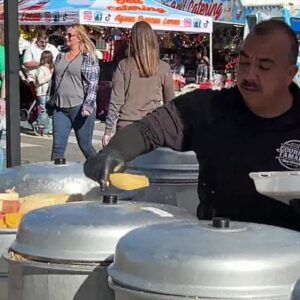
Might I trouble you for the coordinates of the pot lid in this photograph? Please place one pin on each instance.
(85, 231)
(165, 164)
(46, 177)
(195, 259)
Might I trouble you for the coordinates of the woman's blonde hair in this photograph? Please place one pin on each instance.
(87, 46)
(144, 49)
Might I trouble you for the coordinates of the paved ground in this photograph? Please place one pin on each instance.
(38, 148)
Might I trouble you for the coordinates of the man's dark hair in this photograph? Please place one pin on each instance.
(273, 26)
(200, 49)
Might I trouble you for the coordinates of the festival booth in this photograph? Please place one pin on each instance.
(50, 12)
(35, 13)
(124, 13)
(111, 20)
(228, 23)
(53, 15)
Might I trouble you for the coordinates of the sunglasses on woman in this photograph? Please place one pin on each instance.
(70, 35)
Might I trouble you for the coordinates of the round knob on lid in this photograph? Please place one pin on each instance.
(110, 199)
(221, 222)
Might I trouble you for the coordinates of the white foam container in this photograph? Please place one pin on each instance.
(283, 186)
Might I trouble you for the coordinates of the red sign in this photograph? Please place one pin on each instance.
(135, 5)
(130, 1)
(200, 7)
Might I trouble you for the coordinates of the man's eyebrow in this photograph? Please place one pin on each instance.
(263, 60)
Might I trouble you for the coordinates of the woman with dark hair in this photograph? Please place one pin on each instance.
(141, 83)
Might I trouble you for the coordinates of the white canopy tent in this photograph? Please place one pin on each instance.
(124, 13)
(246, 3)
(114, 13)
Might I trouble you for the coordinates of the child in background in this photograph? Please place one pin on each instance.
(43, 82)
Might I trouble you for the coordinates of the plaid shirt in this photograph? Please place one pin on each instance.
(90, 72)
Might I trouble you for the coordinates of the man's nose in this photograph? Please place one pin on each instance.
(251, 71)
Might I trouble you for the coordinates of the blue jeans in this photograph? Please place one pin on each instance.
(43, 119)
(64, 119)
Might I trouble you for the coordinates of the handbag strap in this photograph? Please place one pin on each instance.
(64, 72)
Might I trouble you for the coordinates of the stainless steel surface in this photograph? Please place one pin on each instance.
(70, 246)
(7, 236)
(283, 186)
(166, 165)
(165, 188)
(45, 177)
(86, 231)
(31, 280)
(3, 288)
(173, 178)
(182, 195)
(123, 293)
(194, 259)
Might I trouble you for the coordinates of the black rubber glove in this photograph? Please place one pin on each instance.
(102, 165)
(124, 146)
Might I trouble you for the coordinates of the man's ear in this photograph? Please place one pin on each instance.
(292, 72)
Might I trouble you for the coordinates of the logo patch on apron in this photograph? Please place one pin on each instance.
(289, 154)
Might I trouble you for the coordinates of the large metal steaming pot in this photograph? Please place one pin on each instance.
(173, 176)
(66, 248)
(207, 260)
(7, 236)
(44, 177)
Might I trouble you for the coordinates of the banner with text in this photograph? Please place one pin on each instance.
(230, 11)
(124, 13)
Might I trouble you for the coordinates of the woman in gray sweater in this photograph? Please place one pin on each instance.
(141, 83)
(76, 76)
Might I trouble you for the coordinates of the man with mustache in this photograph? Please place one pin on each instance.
(252, 127)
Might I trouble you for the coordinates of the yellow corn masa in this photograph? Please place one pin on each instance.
(36, 201)
(2, 223)
(128, 182)
(13, 220)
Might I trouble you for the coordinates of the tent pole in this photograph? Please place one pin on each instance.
(11, 27)
(210, 57)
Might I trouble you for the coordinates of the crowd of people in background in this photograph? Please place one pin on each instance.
(63, 69)
(58, 89)
(59, 85)
(143, 112)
